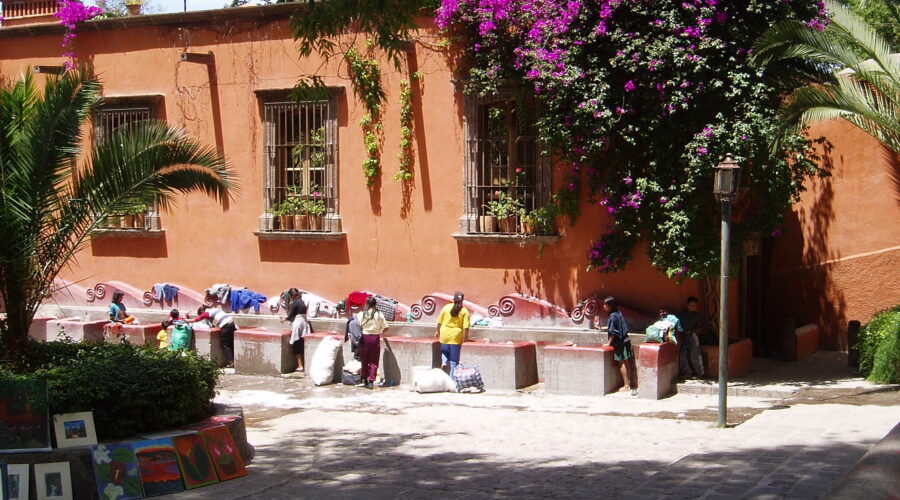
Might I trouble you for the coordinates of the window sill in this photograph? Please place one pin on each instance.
(128, 233)
(300, 235)
(518, 239)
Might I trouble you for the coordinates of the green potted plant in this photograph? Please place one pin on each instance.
(284, 215)
(540, 221)
(298, 209)
(505, 208)
(315, 208)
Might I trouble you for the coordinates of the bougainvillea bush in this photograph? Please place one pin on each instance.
(640, 100)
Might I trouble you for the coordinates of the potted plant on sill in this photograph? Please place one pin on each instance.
(134, 216)
(315, 209)
(284, 215)
(540, 221)
(506, 208)
(298, 208)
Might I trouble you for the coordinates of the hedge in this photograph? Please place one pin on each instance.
(130, 389)
(878, 347)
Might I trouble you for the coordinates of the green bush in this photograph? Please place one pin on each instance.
(878, 347)
(130, 389)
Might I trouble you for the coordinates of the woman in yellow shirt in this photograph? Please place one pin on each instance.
(373, 324)
(452, 330)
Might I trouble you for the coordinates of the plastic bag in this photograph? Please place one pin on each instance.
(181, 336)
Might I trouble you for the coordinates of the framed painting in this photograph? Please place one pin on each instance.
(18, 480)
(223, 452)
(53, 481)
(74, 429)
(116, 471)
(158, 466)
(196, 467)
(24, 420)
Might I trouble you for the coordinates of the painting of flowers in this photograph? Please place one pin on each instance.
(116, 471)
(196, 467)
(223, 452)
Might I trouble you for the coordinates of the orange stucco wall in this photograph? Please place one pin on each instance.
(839, 257)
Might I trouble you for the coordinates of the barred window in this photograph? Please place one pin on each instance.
(301, 167)
(504, 164)
(122, 113)
(110, 118)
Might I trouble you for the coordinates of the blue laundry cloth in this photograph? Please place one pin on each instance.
(170, 292)
(242, 299)
(159, 291)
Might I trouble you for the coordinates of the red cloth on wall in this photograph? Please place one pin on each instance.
(357, 299)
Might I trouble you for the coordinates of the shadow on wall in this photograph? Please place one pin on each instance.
(801, 289)
(381, 466)
(310, 252)
(893, 161)
(119, 246)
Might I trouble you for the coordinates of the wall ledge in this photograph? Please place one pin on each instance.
(300, 235)
(127, 233)
(506, 239)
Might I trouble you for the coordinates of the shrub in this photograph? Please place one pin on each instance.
(130, 389)
(878, 347)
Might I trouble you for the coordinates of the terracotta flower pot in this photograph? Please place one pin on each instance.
(113, 221)
(527, 227)
(286, 222)
(128, 221)
(315, 222)
(508, 225)
(139, 221)
(301, 222)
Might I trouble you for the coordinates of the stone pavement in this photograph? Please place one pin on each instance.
(346, 442)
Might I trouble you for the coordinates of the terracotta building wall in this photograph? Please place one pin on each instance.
(398, 244)
(838, 258)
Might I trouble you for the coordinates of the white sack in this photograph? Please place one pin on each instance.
(434, 380)
(322, 370)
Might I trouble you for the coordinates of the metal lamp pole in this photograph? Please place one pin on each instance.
(726, 185)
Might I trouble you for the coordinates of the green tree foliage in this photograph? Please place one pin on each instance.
(881, 15)
(49, 204)
(858, 78)
(640, 100)
(878, 347)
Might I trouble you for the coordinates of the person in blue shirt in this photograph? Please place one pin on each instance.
(617, 331)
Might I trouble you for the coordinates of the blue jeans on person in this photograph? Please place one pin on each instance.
(450, 352)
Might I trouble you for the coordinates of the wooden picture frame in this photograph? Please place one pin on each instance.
(53, 481)
(18, 480)
(74, 429)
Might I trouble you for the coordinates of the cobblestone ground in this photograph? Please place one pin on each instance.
(346, 442)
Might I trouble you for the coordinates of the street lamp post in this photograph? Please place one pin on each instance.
(728, 177)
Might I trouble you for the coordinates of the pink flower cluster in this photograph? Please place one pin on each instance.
(70, 13)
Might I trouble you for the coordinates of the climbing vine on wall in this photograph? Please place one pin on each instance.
(388, 24)
(365, 76)
(404, 157)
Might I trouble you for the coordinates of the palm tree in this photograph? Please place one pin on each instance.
(858, 78)
(49, 204)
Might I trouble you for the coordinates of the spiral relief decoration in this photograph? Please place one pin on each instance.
(147, 299)
(586, 309)
(416, 311)
(90, 295)
(429, 306)
(100, 291)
